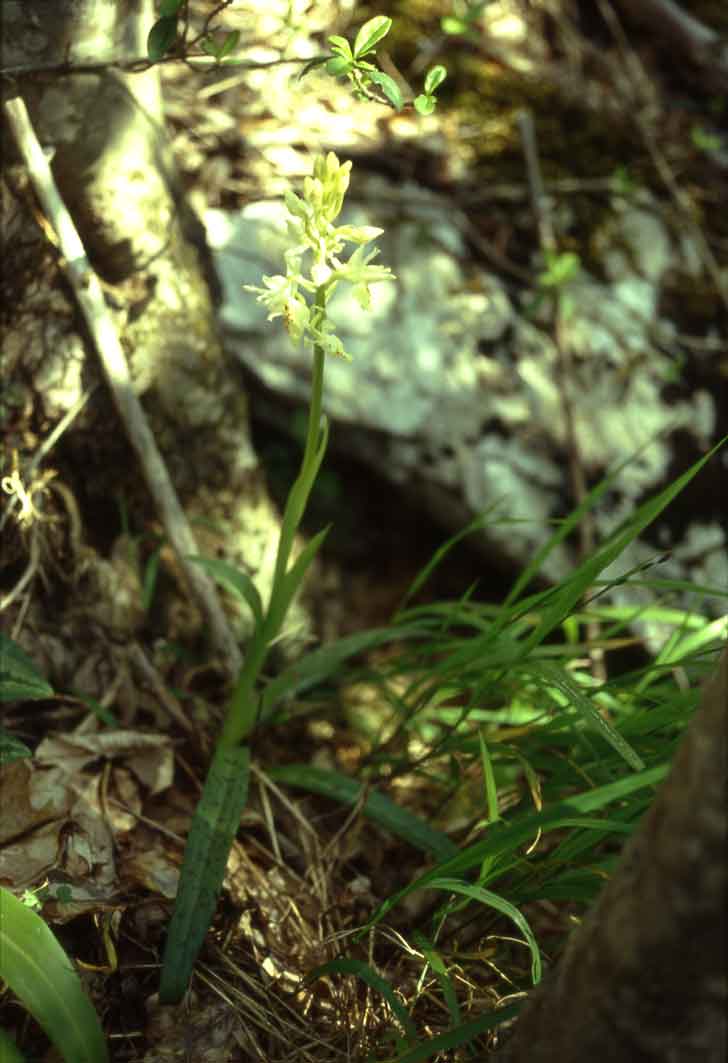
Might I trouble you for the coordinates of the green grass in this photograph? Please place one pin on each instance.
(501, 746)
(498, 715)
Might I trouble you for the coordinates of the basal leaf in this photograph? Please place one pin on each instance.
(41, 975)
(213, 829)
(19, 676)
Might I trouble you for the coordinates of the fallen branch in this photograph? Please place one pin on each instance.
(684, 33)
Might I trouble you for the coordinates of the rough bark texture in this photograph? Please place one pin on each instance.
(114, 169)
(644, 979)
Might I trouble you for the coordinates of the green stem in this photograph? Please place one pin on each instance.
(243, 704)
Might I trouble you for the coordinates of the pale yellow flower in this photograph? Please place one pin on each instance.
(314, 234)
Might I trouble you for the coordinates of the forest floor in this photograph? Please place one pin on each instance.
(309, 870)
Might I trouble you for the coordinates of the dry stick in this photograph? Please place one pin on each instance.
(30, 571)
(540, 203)
(166, 697)
(682, 30)
(635, 69)
(203, 64)
(90, 298)
(541, 208)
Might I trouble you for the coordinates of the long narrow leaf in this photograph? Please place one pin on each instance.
(9, 1051)
(234, 580)
(493, 900)
(377, 807)
(284, 593)
(504, 838)
(438, 965)
(301, 489)
(41, 975)
(476, 524)
(318, 665)
(565, 528)
(460, 1036)
(491, 787)
(213, 829)
(559, 679)
(569, 593)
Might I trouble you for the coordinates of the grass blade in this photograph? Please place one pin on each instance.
(477, 893)
(558, 678)
(438, 965)
(460, 1036)
(506, 837)
(380, 809)
(573, 589)
(285, 592)
(326, 661)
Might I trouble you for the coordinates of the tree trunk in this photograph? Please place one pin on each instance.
(114, 169)
(645, 978)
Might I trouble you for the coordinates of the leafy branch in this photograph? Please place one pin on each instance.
(167, 38)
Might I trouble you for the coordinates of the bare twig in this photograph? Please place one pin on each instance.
(141, 63)
(634, 67)
(683, 32)
(166, 697)
(542, 211)
(90, 298)
(540, 203)
(30, 571)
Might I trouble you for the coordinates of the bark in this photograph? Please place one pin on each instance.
(644, 979)
(114, 169)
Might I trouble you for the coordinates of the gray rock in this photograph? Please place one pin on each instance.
(453, 386)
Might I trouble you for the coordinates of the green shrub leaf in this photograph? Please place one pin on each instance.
(11, 748)
(425, 104)
(342, 46)
(434, 79)
(389, 87)
(370, 34)
(161, 37)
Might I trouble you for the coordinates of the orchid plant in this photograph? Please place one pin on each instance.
(312, 231)
(316, 263)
